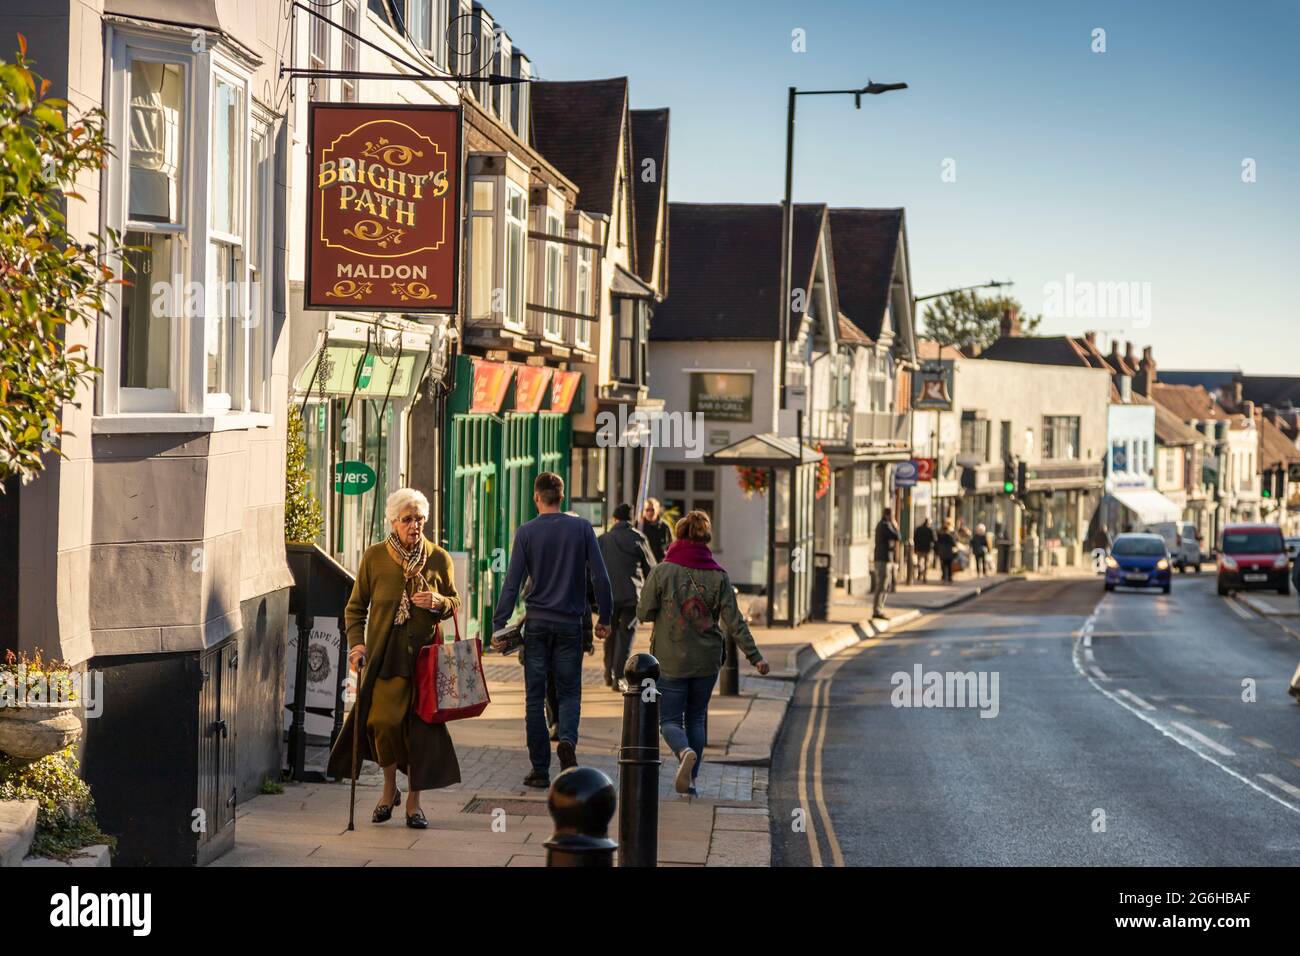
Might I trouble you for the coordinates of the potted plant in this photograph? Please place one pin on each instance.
(38, 707)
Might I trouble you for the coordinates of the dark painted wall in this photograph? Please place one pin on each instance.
(259, 727)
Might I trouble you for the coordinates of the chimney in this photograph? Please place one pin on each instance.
(1113, 357)
(1248, 410)
(1146, 376)
(1090, 338)
(1129, 358)
(1010, 325)
(1236, 394)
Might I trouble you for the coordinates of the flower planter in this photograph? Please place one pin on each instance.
(33, 732)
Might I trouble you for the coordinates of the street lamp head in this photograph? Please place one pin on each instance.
(876, 88)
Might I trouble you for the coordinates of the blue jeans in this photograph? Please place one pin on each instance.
(684, 714)
(556, 650)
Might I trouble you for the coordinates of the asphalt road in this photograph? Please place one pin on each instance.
(1121, 737)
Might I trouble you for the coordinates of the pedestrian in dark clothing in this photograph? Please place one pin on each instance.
(657, 531)
(557, 551)
(945, 546)
(628, 560)
(923, 542)
(979, 546)
(887, 537)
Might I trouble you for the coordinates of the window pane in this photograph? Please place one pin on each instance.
(224, 352)
(674, 479)
(480, 264)
(702, 480)
(417, 23)
(227, 149)
(482, 195)
(148, 304)
(157, 138)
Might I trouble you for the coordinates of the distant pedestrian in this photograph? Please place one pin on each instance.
(657, 531)
(886, 538)
(691, 602)
(557, 551)
(945, 546)
(628, 560)
(923, 543)
(979, 546)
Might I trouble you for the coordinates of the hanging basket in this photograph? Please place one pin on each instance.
(823, 472)
(751, 480)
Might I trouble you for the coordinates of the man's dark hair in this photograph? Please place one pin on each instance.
(549, 487)
(887, 513)
(623, 513)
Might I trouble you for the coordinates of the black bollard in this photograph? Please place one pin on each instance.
(638, 764)
(581, 804)
(729, 678)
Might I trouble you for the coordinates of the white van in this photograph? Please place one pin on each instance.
(1183, 543)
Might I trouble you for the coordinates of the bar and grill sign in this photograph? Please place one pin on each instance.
(383, 226)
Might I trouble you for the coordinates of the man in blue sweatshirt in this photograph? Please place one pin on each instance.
(556, 551)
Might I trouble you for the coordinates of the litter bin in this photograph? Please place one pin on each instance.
(1004, 556)
(821, 589)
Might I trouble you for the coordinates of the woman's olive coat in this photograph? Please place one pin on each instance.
(369, 620)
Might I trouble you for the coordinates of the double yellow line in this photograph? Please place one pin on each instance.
(818, 717)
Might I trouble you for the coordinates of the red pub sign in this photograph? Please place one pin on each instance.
(383, 226)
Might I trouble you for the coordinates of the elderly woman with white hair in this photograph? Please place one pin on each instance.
(404, 588)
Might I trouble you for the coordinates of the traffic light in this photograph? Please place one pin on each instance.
(1008, 475)
(1266, 484)
(1022, 479)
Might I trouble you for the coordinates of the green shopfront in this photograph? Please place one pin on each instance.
(506, 423)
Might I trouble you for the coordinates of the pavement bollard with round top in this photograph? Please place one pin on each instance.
(638, 764)
(581, 803)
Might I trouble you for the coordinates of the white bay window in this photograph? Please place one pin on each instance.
(187, 334)
(497, 240)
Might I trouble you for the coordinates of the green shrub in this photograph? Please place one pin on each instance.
(65, 816)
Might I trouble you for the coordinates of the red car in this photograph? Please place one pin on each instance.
(1252, 557)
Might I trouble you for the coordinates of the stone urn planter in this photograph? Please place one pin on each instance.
(32, 732)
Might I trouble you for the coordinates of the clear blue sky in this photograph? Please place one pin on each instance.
(1122, 166)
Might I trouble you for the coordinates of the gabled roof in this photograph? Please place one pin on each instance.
(650, 141)
(1171, 430)
(578, 126)
(849, 333)
(1274, 447)
(1188, 402)
(725, 260)
(765, 449)
(864, 244)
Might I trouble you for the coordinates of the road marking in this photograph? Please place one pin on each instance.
(1281, 784)
(809, 827)
(1200, 737)
(1217, 724)
(1078, 666)
(1087, 639)
(1256, 742)
(818, 794)
(1124, 692)
(934, 653)
(1184, 708)
(1098, 673)
(1240, 611)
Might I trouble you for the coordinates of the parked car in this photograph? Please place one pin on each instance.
(1182, 540)
(1252, 557)
(1293, 549)
(1139, 560)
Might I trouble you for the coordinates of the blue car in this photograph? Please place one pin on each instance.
(1138, 561)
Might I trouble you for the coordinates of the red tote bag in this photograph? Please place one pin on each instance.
(449, 681)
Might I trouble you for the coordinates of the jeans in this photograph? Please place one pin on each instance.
(619, 642)
(882, 569)
(551, 650)
(981, 563)
(684, 714)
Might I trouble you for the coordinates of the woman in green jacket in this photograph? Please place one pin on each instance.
(404, 587)
(686, 596)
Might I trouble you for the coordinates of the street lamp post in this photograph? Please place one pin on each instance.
(787, 207)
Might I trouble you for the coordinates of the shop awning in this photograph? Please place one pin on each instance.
(1149, 505)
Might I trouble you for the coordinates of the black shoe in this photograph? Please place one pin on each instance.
(537, 779)
(416, 820)
(609, 679)
(384, 812)
(564, 750)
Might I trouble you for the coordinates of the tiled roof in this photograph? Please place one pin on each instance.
(725, 262)
(850, 333)
(577, 126)
(929, 350)
(864, 243)
(649, 141)
(1171, 430)
(1037, 350)
(1274, 447)
(1188, 402)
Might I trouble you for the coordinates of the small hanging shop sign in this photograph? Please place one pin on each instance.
(564, 386)
(491, 380)
(383, 224)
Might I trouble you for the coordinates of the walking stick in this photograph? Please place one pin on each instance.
(356, 747)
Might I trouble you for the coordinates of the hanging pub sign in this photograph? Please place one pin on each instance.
(383, 224)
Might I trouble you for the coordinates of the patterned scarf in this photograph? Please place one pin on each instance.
(411, 561)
